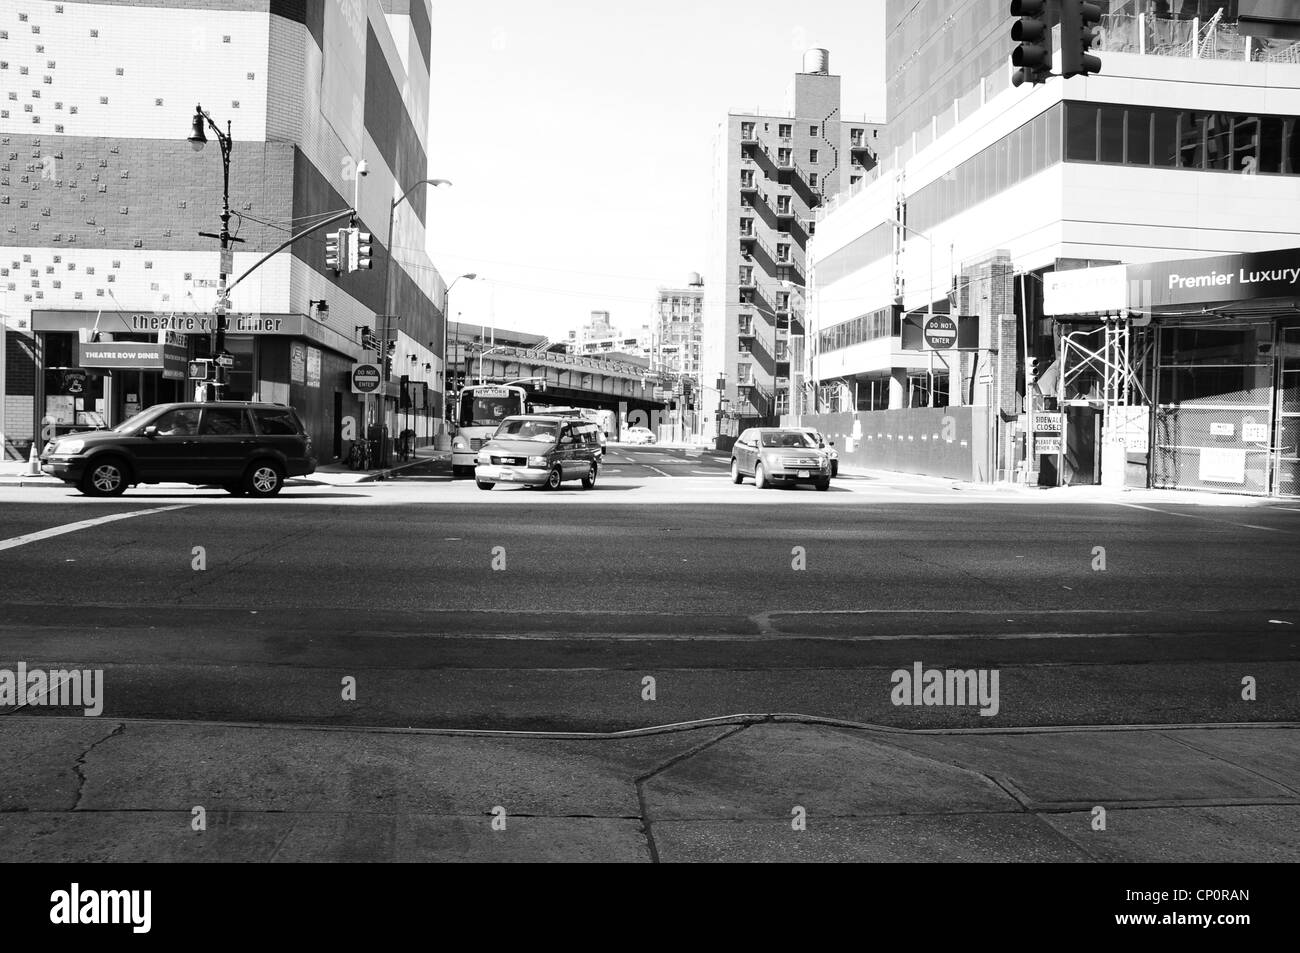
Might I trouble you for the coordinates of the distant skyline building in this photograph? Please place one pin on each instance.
(771, 170)
(599, 336)
(679, 327)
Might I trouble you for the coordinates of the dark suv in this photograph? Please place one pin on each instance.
(242, 447)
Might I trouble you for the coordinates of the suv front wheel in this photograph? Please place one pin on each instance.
(104, 477)
(263, 478)
(736, 475)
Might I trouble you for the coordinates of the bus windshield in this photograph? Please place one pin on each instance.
(478, 410)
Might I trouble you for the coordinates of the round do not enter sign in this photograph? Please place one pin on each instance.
(940, 332)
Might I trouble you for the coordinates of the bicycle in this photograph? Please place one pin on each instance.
(361, 455)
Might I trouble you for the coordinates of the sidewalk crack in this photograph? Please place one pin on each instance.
(646, 824)
(78, 766)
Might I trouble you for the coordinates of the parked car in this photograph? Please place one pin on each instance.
(638, 435)
(774, 455)
(240, 446)
(540, 450)
(828, 446)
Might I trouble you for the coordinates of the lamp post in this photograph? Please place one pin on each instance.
(388, 288)
(446, 320)
(198, 139)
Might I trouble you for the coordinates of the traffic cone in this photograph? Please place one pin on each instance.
(33, 463)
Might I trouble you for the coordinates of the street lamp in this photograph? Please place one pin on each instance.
(198, 139)
(386, 317)
(495, 347)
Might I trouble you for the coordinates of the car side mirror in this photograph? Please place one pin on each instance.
(151, 431)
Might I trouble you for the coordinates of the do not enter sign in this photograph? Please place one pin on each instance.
(365, 379)
(940, 332)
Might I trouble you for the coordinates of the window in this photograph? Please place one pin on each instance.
(1191, 130)
(783, 204)
(812, 155)
(746, 226)
(782, 251)
(812, 179)
(812, 130)
(1218, 141)
(1137, 136)
(853, 180)
(784, 130)
(744, 373)
(224, 421)
(182, 422)
(1110, 129)
(855, 137)
(783, 156)
(746, 323)
(747, 178)
(1165, 138)
(747, 130)
(1081, 132)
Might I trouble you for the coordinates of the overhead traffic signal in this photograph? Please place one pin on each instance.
(1031, 371)
(1032, 56)
(336, 251)
(1079, 32)
(359, 245)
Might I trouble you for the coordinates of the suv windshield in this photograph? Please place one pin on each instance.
(540, 430)
(788, 438)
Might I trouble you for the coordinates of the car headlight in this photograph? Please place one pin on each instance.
(483, 458)
(537, 462)
(459, 443)
(66, 448)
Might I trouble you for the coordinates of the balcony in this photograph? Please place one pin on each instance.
(749, 135)
(750, 186)
(747, 279)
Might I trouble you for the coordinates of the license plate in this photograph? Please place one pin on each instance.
(803, 474)
(506, 475)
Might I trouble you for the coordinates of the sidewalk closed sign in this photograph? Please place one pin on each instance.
(365, 379)
(1048, 422)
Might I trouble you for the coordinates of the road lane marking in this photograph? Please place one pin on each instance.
(83, 524)
(1193, 516)
(656, 470)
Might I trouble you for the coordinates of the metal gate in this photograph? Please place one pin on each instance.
(1214, 408)
(1287, 441)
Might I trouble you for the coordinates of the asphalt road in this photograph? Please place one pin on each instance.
(524, 609)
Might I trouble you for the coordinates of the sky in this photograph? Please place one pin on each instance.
(578, 136)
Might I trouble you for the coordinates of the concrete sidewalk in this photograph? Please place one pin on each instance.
(734, 789)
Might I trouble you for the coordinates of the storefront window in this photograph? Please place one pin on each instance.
(1137, 138)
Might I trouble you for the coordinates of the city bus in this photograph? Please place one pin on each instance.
(479, 409)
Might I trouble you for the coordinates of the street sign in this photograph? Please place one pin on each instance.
(1047, 446)
(225, 360)
(227, 261)
(1048, 422)
(939, 332)
(365, 379)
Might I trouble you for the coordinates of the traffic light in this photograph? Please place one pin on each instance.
(359, 245)
(404, 401)
(1033, 53)
(199, 369)
(336, 251)
(1079, 20)
(1031, 371)
(388, 368)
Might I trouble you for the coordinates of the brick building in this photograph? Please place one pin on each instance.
(103, 199)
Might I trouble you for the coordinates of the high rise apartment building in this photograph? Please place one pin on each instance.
(103, 201)
(771, 171)
(678, 329)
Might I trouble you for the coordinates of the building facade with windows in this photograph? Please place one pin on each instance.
(1186, 144)
(771, 170)
(678, 329)
(105, 284)
(598, 336)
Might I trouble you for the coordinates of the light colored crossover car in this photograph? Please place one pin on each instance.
(828, 446)
(777, 455)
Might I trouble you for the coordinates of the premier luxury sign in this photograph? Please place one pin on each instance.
(1250, 277)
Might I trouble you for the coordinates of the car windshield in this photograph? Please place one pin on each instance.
(543, 431)
(788, 438)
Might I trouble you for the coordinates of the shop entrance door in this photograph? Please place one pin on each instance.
(1287, 437)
